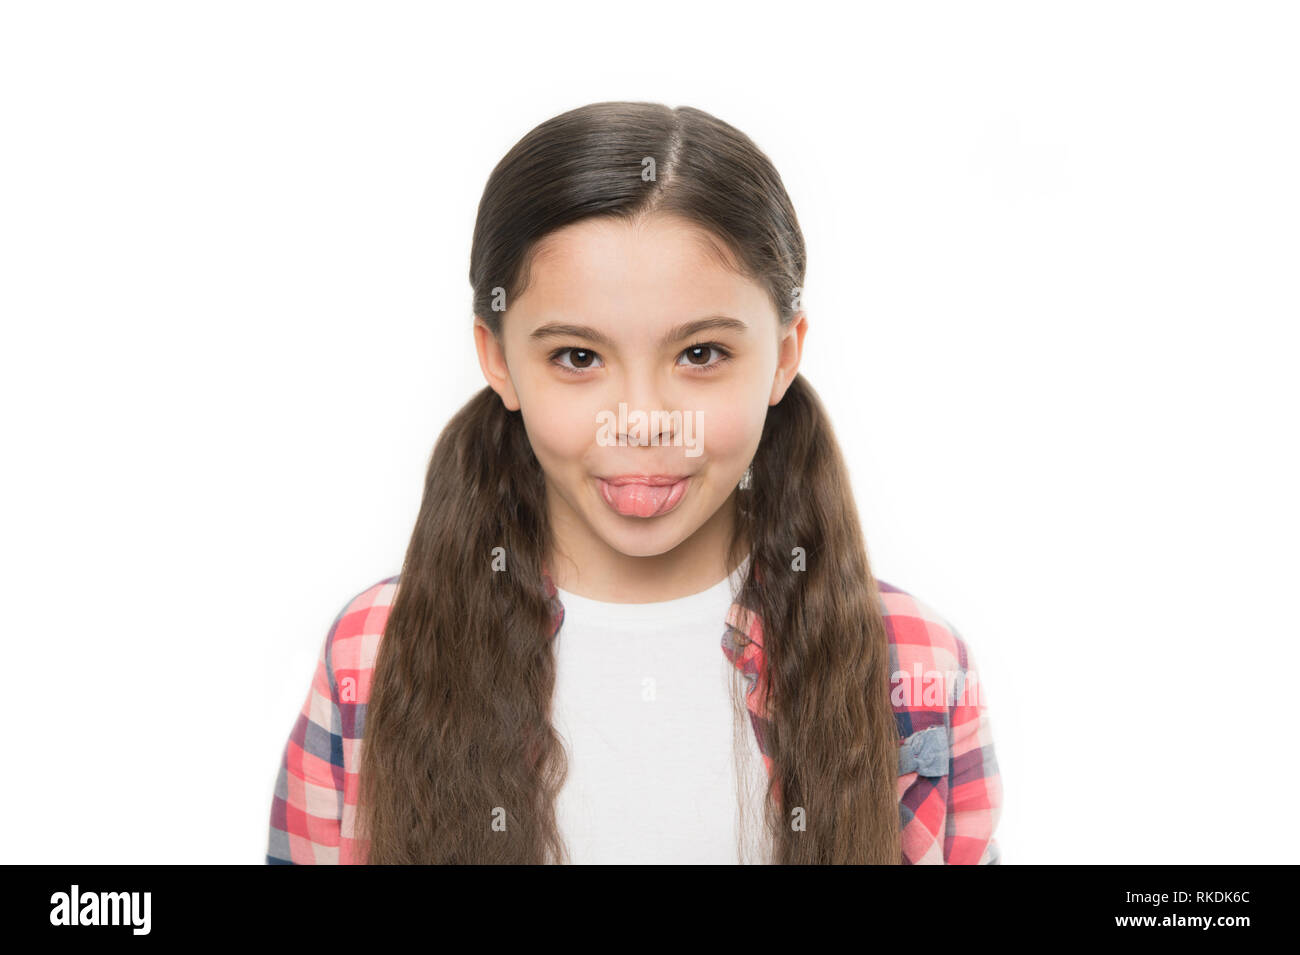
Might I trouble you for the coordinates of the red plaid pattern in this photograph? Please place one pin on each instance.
(949, 787)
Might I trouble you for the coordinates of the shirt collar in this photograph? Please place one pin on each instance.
(739, 617)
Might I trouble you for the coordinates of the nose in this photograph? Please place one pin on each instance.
(648, 418)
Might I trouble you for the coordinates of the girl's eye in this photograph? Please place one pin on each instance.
(579, 361)
(701, 351)
(582, 359)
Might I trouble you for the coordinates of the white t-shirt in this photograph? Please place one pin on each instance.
(642, 705)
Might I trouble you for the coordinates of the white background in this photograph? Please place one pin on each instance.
(1052, 295)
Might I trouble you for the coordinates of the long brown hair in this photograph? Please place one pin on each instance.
(457, 729)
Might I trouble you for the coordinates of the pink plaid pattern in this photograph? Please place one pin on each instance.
(949, 787)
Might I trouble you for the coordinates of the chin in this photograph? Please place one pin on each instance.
(643, 542)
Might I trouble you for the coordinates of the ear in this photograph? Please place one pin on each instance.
(492, 359)
(789, 352)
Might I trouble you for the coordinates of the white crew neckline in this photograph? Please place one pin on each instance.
(640, 615)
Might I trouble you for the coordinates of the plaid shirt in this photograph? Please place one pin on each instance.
(949, 787)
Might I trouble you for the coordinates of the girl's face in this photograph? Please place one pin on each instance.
(643, 368)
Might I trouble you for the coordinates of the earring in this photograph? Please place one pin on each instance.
(747, 479)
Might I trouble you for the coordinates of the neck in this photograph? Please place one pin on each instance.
(584, 564)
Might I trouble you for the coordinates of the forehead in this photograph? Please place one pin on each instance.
(649, 270)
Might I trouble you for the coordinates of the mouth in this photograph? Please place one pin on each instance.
(643, 495)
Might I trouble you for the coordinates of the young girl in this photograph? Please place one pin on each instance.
(637, 571)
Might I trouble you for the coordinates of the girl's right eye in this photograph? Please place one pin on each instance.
(581, 358)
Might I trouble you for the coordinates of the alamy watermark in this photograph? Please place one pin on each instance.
(924, 687)
(101, 908)
(642, 428)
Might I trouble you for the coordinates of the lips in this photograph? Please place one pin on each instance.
(643, 495)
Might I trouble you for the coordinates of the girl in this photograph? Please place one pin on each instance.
(641, 524)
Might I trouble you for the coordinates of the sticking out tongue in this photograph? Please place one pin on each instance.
(639, 500)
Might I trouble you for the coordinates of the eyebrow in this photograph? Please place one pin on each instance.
(676, 333)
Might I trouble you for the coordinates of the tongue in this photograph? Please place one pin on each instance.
(639, 499)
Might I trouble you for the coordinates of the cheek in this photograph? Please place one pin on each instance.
(734, 416)
(560, 428)
(730, 431)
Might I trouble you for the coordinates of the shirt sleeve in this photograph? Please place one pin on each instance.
(307, 809)
(974, 782)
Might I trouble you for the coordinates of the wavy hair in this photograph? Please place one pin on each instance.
(458, 721)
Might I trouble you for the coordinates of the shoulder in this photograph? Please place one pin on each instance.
(353, 642)
(918, 633)
(928, 660)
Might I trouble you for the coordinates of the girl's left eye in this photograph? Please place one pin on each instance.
(697, 356)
